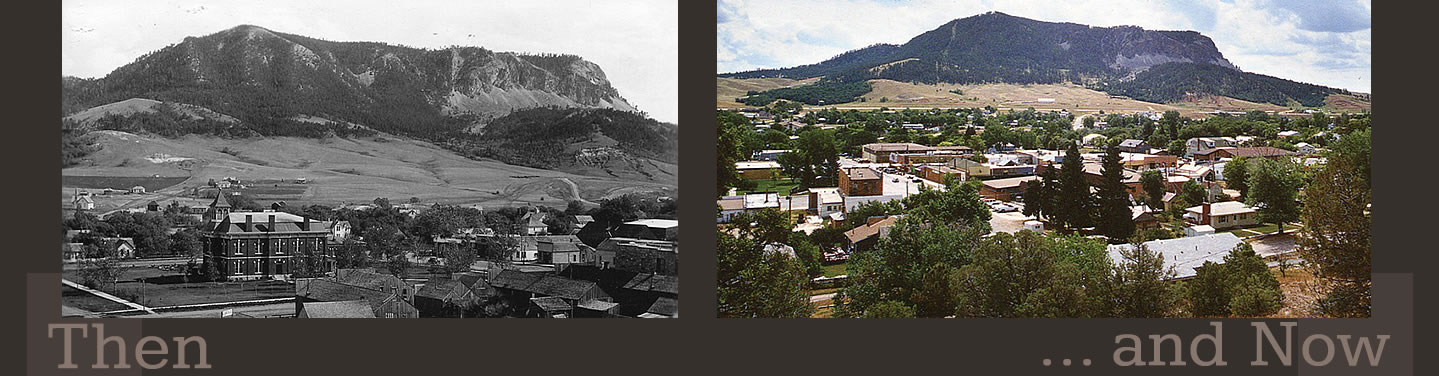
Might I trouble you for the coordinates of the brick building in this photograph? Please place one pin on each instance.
(860, 182)
(263, 245)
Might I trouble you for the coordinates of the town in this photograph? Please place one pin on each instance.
(214, 250)
(982, 212)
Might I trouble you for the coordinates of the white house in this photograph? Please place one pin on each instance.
(1222, 215)
(1305, 148)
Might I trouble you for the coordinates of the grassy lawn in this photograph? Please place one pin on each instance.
(781, 186)
(835, 270)
(83, 300)
(1268, 228)
(169, 294)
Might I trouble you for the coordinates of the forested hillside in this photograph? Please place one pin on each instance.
(1170, 82)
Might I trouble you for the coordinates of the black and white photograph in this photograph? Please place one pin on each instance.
(369, 159)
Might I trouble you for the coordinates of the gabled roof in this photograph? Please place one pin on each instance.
(654, 282)
(865, 231)
(1131, 143)
(368, 279)
(441, 288)
(597, 305)
(340, 309)
(550, 303)
(665, 306)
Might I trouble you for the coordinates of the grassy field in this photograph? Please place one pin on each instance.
(1074, 98)
(120, 182)
(162, 295)
(835, 270)
(781, 186)
(344, 170)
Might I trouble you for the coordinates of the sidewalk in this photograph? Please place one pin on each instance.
(105, 295)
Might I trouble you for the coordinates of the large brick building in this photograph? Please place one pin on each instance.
(860, 182)
(263, 245)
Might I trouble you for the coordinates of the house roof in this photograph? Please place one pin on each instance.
(597, 305)
(1097, 169)
(440, 288)
(1185, 254)
(550, 303)
(1223, 208)
(654, 282)
(665, 306)
(341, 309)
(1009, 182)
(367, 279)
(1131, 143)
(542, 284)
(867, 230)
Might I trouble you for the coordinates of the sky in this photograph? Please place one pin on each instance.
(1320, 42)
(635, 42)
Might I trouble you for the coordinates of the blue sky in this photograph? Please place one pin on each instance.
(636, 42)
(1320, 42)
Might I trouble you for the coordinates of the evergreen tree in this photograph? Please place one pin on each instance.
(1141, 285)
(1073, 201)
(1115, 219)
(1153, 182)
(1336, 234)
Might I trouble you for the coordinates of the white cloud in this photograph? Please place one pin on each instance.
(1253, 34)
(636, 42)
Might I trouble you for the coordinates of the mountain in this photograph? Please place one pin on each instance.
(999, 48)
(267, 78)
(251, 82)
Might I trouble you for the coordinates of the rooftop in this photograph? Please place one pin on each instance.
(892, 147)
(1009, 182)
(1223, 208)
(1185, 254)
(864, 173)
(656, 223)
(756, 165)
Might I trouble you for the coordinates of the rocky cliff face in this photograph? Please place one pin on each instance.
(261, 75)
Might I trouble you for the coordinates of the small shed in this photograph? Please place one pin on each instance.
(1198, 230)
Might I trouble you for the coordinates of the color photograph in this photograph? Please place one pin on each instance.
(954, 159)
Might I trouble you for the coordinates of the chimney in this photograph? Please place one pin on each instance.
(304, 223)
(1204, 216)
(249, 223)
(272, 223)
